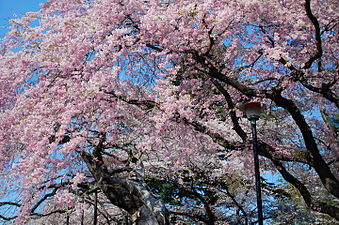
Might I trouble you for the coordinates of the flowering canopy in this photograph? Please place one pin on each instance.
(117, 96)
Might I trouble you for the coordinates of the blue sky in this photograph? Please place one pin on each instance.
(10, 7)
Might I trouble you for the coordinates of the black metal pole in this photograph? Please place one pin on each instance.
(82, 217)
(95, 208)
(257, 171)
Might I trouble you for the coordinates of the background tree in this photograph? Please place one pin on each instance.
(139, 101)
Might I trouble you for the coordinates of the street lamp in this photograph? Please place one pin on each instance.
(252, 111)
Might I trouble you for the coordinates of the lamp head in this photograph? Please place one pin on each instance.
(252, 111)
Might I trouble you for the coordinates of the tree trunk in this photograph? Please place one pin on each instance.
(131, 195)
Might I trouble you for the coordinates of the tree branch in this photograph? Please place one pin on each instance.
(310, 202)
(236, 127)
(325, 174)
(316, 25)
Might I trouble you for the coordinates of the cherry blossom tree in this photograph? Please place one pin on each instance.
(138, 101)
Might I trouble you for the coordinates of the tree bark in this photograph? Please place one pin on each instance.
(131, 195)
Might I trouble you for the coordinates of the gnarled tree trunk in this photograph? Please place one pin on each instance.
(131, 195)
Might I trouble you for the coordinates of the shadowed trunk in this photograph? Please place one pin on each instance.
(131, 195)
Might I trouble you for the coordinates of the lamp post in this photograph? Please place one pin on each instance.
(95, 221)
(252, 111)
